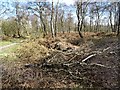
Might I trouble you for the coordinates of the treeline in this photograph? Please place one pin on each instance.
(42, 18)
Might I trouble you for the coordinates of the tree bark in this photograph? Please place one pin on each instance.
(118, 31)
(51, 22)
(56, 17)
(18, 19)
(79, 28)
(111, 20)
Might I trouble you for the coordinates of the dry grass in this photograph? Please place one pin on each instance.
(29, 52)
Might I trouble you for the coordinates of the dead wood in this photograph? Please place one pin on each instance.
(106, 49)
(89, 57)
(100, 65)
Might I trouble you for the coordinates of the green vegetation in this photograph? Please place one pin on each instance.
(10, 28)
(8, 51)
(3, 43)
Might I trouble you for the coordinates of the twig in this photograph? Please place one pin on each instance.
(106, 49)
(99, 65)
(72, 58)
(90, 56)
(66, 53)
(53, 57)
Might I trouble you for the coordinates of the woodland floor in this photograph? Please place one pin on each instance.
(65, 62)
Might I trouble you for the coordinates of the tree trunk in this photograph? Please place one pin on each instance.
(44, 26)
(51, 22)
(56, 16)
(90, 24)
(118, 31)
(18, 20)
(79, 28)
(111, 21)
(62, 17)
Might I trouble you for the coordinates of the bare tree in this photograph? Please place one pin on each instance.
(110, 18)
(18, 17)
(118, 31)
(62, 21)
(80, 12)
(98, 17)
(56, 18)
(91, 15)
(52, 21)
(69, 21)
(38, 9)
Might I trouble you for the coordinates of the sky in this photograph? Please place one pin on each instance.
(68, 2)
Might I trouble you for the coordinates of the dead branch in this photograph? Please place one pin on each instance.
(89, 57)
(67, 53)
(53, 57)
(100, 65)
(72, 58)
(106, 49)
